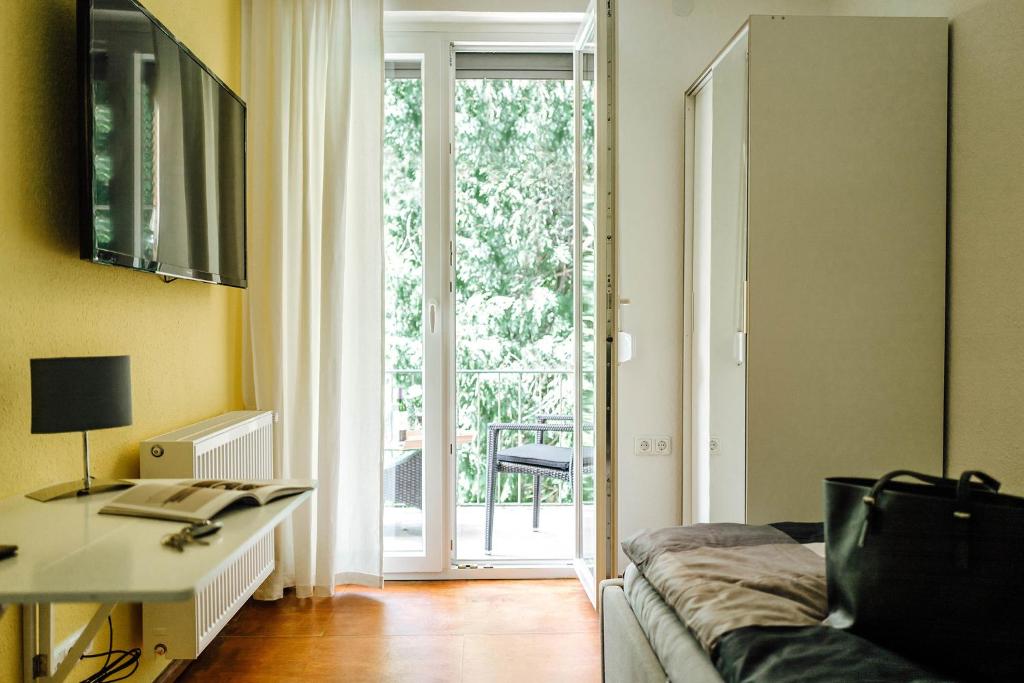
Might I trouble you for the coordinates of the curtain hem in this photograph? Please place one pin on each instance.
(276, 591)
(359, 579)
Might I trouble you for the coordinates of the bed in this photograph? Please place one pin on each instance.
(633, 624)
(673, 617)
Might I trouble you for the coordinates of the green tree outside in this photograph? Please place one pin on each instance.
(514, 156)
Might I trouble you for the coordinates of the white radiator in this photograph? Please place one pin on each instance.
(237, 445)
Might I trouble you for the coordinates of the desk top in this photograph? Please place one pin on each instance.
(68, 552)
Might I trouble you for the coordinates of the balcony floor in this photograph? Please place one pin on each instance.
(514, 539)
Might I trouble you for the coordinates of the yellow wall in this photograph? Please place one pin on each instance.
(184, 338)
(986, 327)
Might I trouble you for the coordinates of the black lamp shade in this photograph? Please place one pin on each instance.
(81, 394)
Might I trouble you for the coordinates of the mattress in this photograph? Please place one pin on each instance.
(781, 652)
(680, 655)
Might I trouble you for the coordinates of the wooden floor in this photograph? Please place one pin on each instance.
(533, 631)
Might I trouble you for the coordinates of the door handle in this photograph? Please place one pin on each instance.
(432, 316)
(740, 342)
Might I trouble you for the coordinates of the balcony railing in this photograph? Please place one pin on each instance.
(486, 396)
(509, 395)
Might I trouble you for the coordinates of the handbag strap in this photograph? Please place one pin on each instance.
(961, 510)
(964, 487)
(884, 480)
(871, 499)
(962, 513)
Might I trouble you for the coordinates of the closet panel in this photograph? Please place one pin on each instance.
(846, 258)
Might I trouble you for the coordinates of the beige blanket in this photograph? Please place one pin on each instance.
(721, 577)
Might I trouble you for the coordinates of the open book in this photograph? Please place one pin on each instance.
(197, 500)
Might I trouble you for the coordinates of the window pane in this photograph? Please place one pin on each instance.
(403, 319)
(514, 141)
(588, 304)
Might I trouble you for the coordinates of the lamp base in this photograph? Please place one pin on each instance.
(71, 489)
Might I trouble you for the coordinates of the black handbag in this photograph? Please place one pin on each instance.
(931, 570)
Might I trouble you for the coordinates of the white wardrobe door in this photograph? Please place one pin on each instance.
(847, 238)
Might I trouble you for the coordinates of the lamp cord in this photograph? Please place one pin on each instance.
(123, 660)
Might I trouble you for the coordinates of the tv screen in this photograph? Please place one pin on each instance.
(165, 151)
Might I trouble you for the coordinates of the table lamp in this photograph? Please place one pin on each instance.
(77, 395)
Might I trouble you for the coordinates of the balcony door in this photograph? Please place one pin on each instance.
(494, 333)
(414, 415)
(514, 289)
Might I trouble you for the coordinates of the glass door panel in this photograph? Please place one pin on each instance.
(514, 305)
(404, 406)
(587, 351)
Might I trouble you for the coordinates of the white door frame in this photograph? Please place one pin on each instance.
(606, 98)
(473, 45)
(585, 36)
(432, 558)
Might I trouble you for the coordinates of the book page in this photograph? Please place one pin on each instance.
(196, 500)
(203, 501)
(263, 491)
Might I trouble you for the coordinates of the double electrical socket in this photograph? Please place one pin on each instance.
(653, 445)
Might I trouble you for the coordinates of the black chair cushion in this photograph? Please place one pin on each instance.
(545, 456)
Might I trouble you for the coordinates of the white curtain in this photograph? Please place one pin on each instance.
(314, 307)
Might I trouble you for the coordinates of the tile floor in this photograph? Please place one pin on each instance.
(535, 631)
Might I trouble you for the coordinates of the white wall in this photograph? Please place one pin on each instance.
(662, 46)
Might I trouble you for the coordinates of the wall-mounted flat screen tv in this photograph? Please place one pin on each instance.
(164, 176)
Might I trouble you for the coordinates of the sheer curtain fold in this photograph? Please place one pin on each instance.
(314, 308)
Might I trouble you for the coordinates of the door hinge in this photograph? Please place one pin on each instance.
(451, 253)
(40, 666)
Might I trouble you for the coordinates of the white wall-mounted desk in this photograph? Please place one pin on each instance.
(68, 552)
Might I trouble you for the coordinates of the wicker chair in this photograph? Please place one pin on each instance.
(403, 481)
(537, 459)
